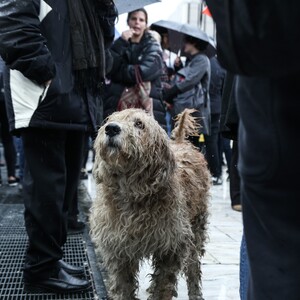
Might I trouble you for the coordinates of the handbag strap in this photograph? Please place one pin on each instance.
(138, 76)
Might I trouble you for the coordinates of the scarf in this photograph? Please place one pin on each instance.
(88, 43)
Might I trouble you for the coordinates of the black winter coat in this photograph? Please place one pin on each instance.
(148, 55)
(1, 80)
(260, 38)
(217, 78)
(229, 122)
(35, 44)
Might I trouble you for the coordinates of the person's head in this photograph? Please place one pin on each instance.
(193, 45)
(165, 40)
(138, 20)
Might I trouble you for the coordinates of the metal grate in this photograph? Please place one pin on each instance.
(13, 244)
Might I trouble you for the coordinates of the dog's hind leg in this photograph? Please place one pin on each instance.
(123, 281)
(193, 275)
(166, 270)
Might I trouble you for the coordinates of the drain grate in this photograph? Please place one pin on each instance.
(13, 244)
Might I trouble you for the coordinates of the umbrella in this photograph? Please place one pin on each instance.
(176, 32)
(125, 6)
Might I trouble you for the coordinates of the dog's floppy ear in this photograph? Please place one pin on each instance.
(164, 165)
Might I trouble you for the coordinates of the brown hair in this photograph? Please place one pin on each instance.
(137, 10)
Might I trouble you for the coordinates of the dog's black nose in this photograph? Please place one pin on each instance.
(112, 129)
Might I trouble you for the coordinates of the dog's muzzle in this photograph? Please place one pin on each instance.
(112, 129)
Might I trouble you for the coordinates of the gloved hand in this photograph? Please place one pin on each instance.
(169, 94)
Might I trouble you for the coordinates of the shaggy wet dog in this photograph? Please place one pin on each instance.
(151, 202)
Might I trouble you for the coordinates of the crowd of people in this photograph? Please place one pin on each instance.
(56, 92)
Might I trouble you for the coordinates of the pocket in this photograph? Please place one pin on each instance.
(25, 91)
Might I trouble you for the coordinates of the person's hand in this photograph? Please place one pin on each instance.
(168, 95)
(177, 62)
(127, 34)
(168, 105)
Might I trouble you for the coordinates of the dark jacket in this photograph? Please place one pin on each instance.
(192, 82)
(35, 44)
(257, 39)
(148, 55)
(229, 121)
(216, 85)
(1, 80)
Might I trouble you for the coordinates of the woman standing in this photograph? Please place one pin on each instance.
(135, 47)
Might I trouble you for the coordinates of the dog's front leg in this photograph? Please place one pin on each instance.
(123, 281)
(166, 270)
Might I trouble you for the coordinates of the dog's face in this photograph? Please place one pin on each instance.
(132, 140)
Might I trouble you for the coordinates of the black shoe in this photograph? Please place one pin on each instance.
(62, 283)
(13, 182)
(217, 180)
(72, 270)
(76, 227)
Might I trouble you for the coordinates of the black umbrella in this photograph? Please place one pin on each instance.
(176, 32)
(125, 6)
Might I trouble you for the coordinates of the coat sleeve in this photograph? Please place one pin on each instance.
(22, 46)
(194, 72)
(150, 66)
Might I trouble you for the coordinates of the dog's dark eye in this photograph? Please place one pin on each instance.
(139, 124)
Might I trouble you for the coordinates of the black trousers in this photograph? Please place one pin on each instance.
(8, 141)
(269, 166)
(53, 161)
(212, 149)
(235, 182)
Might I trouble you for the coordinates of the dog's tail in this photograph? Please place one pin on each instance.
(185, 125)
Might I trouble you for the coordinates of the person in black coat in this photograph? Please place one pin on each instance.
(135, 47)
(55, 64)
(260, 43)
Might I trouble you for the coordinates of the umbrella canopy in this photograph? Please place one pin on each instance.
(125, 6)
(176, 32)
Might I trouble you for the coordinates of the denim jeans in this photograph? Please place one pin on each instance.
(244, 270)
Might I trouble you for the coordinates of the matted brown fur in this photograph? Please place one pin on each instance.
(151, 202)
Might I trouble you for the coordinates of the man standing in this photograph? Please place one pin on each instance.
(55, 52)
(260, 42)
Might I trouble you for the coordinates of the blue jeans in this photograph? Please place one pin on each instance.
(244, 270)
